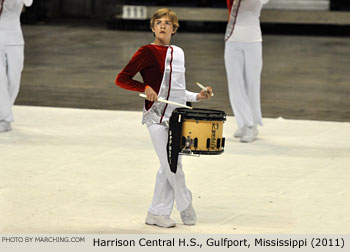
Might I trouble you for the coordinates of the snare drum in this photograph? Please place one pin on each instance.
(195, 131)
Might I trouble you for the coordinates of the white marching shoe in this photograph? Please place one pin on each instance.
(160, 220)
(249, 133)
(238, 133)
(188, 216)
(5, 126)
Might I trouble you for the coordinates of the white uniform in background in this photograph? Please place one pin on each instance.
(11, 57)
(243, 62)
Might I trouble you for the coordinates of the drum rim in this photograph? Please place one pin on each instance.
(207, 152)
(201, 109)
(217, 115)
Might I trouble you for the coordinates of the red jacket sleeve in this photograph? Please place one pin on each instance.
(135, 65)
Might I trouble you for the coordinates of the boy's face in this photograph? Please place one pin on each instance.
(163, 28)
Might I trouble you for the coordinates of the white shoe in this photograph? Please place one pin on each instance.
(8, 126)
(160, 220)
(5, 126)
(238, 133)
(188, 216)
(249, 133)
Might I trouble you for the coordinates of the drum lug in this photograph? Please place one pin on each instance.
(218, 143)
(195, 144)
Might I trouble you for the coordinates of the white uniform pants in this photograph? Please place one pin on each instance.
(169, 187)
(11, 66)
(243, 62)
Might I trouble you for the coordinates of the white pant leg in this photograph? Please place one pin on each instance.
(15, 66)
(5, 101)
(252, 74)
(11, 66)
(235, 68)
(169, 186)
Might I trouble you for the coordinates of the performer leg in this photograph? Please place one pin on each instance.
(252, 74)
(5, 100)
(169, 186)
(235, 63)
(15, 67)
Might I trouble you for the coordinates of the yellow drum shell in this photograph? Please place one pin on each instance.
(203, 130)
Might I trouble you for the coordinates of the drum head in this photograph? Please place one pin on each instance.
(202, 114)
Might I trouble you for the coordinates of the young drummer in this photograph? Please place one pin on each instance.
(161, 66)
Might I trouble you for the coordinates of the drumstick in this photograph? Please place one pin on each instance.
(169, 102)
(203, 88)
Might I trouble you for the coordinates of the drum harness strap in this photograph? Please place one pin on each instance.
(171, 70)
(173, 146)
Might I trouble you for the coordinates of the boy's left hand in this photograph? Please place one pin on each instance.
(205, 94)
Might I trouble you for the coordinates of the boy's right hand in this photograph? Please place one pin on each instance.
(151, 95)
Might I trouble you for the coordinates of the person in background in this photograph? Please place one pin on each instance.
(243, 62)
(11, 57)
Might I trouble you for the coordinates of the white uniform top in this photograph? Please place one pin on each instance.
(10, 26)
(247, 27)
(173, 88)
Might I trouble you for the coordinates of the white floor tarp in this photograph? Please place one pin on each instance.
(93, 171)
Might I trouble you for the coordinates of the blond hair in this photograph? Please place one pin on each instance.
(165, 12)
